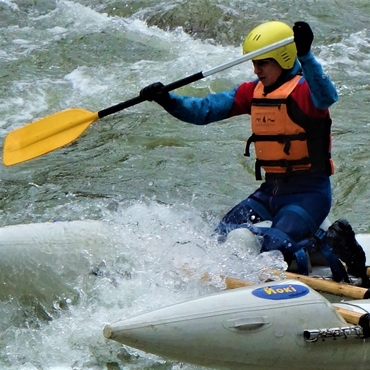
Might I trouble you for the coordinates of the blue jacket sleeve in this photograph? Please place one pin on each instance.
(201, 111)
(323, 91)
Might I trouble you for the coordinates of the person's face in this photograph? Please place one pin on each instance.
(267, 71)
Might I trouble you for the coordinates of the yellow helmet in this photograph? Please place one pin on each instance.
(269, 33)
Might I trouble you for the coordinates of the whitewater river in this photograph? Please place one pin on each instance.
(157, 186)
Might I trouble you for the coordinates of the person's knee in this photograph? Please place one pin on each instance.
(295, 222)
(292, 225)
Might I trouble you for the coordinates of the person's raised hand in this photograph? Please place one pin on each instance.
(303, 37)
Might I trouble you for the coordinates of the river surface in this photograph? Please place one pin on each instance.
(158, 185)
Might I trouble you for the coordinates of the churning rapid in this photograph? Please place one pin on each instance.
(145, 189)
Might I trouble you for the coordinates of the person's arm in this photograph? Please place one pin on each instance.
(322, 89)
(201, 111)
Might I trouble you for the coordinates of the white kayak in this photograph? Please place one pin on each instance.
(276, 325)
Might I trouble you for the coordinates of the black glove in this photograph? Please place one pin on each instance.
(303, 37)
(155, 92)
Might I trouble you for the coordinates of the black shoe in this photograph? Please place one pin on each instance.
(341, 239)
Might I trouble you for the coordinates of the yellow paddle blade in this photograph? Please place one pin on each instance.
(43, 136)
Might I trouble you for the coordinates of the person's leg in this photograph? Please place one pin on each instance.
(299, 209)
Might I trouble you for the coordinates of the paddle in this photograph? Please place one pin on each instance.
(60, 129)
(329, 286)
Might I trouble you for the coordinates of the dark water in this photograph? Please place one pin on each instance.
(159, 183)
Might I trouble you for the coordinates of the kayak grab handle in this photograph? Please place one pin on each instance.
(246, 323)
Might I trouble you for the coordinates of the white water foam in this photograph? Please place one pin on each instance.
(148, 255)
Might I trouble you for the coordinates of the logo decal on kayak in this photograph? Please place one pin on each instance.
(284, 291)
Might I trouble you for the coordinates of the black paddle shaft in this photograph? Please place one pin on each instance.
(129, 103)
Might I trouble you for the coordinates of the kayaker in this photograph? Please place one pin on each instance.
(291, 131)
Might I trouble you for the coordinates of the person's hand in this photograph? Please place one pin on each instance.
(155, 92)
(303, 37)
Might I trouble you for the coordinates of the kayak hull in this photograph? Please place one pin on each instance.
(259, 327)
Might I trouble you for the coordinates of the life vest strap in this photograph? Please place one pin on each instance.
(282, 139)
(284, 163)
(263, 102)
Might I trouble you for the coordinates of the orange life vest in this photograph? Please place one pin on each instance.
(286, 139)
